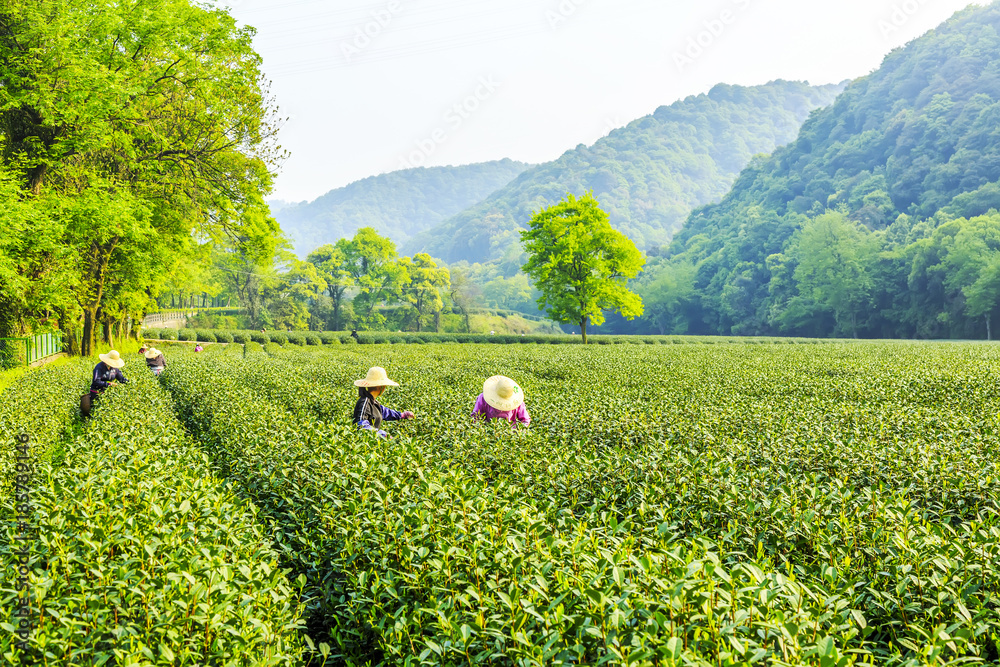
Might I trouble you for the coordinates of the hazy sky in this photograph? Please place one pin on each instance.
(372, 86)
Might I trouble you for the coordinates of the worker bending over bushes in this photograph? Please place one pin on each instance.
(368, 412)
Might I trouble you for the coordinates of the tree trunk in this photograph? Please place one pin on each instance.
(68, 328)
(88, 344)
(437, 322)
(989, 330)
(583, 329)
(108, 334)
(468, 327)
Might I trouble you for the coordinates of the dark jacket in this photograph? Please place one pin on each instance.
(104, 375)
(369, 414)
(158, 361)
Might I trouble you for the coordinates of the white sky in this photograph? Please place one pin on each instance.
(549, 74)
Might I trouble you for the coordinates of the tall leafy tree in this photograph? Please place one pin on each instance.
(464, 293)
(835, 262)
(373, 264)
(971, 266)
(331, 261)
(427, 280)
(154, 109)
(580, 264)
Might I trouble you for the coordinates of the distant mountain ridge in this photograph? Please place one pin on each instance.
(398, 204)
(901, 152)
(648, 175)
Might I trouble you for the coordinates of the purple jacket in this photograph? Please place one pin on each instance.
(484, 409)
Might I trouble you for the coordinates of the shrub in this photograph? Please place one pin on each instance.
(187, 334)
(168, 334)
(313, 339)
(253, 347)
(348, 340)
(328, 337)
(278, 338)
(223, 337)
(241, 337)
(125, 520)
(296, 338)
(205, 336)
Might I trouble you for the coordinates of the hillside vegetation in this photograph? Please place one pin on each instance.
(875, 221)
(648, 175)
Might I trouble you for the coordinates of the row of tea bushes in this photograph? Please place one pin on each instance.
(315, 338)
(41, 404)
(865, 475)
(415, 558)
(143, 557)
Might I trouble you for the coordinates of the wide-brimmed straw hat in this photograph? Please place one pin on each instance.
(376, 378)
(112, 359)
(503, 393)
(151, 353)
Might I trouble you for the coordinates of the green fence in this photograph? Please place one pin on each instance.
(26, 351)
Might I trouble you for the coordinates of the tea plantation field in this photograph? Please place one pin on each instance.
(691, 504)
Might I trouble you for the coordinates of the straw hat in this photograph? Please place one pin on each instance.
(151, 353)
(502, 393)
(112, 359)
(376, 378)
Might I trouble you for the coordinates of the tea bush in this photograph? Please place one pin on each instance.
(144, 557)
(670, 505)
(41, 404)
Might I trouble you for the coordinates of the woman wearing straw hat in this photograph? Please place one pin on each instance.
(502, 398)
(368, 413)
(155, 360)
(105, 372)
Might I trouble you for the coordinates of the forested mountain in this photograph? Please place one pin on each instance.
(856, 227)
(398, 205)
(648, 175)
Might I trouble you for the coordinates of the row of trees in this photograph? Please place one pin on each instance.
(357, 283)
(132, 136)
(835, 276)
(579, 264)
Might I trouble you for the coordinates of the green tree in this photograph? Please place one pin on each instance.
(580, 264)
(971, 266)
(246, 261)
(666, 297)
(426, 282)
(142, 124)
(508, 293)
(331, 261)
(289, 297)
(464, 293)
(373, 264)
(835, 258)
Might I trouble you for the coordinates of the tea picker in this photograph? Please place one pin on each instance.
(155, 360)
(368, 412)
(502, 398)
(108, 370)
